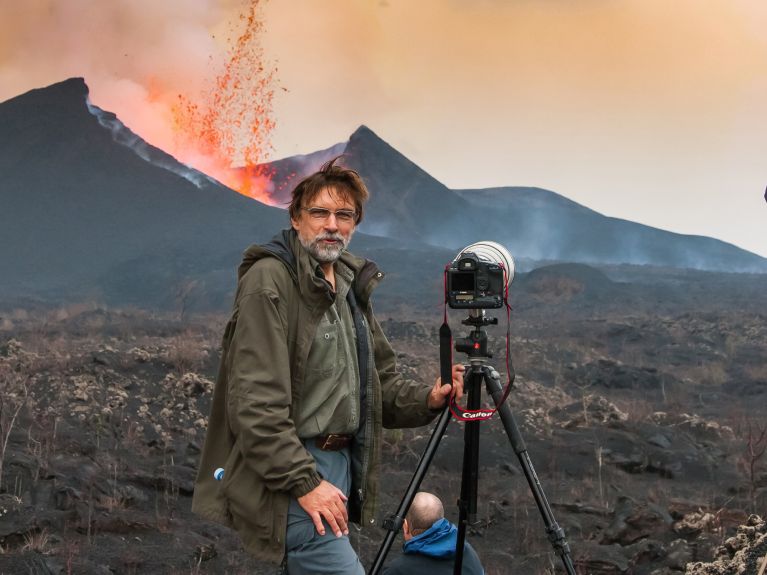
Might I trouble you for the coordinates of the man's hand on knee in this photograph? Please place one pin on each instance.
(328, 502)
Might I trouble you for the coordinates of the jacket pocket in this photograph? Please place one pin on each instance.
(325, 357)
(250, 503)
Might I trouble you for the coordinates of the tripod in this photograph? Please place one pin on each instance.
(478, 372)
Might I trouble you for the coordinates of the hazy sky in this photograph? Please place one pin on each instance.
(649, 110)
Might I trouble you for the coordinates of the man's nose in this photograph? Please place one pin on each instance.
(331, 224)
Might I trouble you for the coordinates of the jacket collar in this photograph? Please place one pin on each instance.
(304, 269)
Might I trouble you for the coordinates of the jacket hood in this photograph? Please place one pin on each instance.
(437, 541)
(284, 246)
(278, 247)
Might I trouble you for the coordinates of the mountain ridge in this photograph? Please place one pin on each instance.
(92, 210)
(531, 222)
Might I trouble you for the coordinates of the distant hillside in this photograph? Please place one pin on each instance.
(544, 225)
(533, 223)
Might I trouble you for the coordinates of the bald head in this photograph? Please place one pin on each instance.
(425, 510)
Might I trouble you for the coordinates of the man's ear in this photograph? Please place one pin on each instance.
(405, 529)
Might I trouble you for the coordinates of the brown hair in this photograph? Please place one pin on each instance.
(343, 181)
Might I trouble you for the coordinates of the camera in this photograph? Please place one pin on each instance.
(478, 277)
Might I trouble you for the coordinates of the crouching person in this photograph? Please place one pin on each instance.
(430, 541)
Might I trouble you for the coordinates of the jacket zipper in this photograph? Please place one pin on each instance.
(368, 421)
(354, 415)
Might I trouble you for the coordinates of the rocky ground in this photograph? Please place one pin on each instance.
(646, 428)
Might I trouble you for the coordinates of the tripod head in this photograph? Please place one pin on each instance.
(475, 345)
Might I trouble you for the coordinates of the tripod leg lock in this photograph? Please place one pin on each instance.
(557, 538)
(393, 523)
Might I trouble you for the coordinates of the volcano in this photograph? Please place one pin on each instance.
(83, 196)
(92, 210)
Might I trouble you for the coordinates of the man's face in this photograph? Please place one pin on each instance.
(321, 229)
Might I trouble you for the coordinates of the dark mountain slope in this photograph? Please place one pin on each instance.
(91, 210)
(405, 201)
(76, 202)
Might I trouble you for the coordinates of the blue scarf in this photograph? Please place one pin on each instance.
(437, 541)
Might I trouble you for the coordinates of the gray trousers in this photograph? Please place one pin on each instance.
(308, 552)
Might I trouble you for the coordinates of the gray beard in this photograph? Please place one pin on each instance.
(325, 254)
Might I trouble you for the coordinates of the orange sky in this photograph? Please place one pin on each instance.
(643, 109)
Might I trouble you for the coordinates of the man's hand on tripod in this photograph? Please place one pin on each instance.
(441, 393)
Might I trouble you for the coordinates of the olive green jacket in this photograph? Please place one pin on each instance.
(251, 433)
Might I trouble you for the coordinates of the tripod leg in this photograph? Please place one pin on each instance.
(393, 523)
(467, 505)
(555, 533)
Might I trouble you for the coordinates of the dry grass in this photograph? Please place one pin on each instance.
(14, 397)
(756, 372)
(38, 541)
(544, 352)
(186, 352)
(712, 373)
(638, 409)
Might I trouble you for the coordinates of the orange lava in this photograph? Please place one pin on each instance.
(226, 133)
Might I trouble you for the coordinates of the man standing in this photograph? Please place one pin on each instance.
(430, 541)
(306, 382)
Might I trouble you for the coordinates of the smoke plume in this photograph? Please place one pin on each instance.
(175, 71)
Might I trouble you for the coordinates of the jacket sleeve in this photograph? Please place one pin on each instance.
(259, 397)
(404, 402)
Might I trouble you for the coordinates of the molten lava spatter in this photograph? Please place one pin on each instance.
(226, 134)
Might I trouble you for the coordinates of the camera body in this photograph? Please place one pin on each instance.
(475, 284)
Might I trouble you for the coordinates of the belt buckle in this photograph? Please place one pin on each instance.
(329, 442)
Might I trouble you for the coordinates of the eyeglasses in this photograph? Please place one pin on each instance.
(322, 214)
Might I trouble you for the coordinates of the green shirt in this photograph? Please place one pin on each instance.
(331, 400)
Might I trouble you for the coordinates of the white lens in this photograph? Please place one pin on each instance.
(494, 253)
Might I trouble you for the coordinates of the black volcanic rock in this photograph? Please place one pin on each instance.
(746, 552)
(565, 281)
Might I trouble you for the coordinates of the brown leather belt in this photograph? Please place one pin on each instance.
(333, 442)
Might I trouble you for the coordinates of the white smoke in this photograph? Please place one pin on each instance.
(136, 56)
(122, 135)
